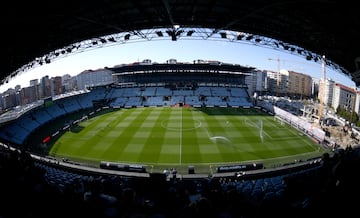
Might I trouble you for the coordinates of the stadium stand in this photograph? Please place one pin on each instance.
(31, 188)
(43, 186)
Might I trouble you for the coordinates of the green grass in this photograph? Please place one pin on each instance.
(161, 137)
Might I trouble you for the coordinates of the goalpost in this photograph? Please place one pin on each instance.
(279, 120)
(261, 132)
(256, 126)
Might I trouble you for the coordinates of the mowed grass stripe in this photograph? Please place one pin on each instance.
(98, 135)
(117, 149)
(107, 145)
(79, 144)
(208, 150)
(288, 141)
(281, 132)
(218, 136)
(152, 135)
(190, 144)
(227, 133)
(151, 152)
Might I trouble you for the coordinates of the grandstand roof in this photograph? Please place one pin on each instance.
(326, 27)
(183, 67)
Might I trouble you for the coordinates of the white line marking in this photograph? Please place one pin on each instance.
(180, 146)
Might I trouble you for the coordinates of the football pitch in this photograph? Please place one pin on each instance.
(179, 137)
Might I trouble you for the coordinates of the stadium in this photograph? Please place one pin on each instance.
(174, 139)
(168, 116)
(168, 123)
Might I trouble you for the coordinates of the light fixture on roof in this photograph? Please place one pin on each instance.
(309, 57)
(240, 37)
(190, 32)
(127, 37)
(174, 34)
(111, 39)
(47, 60)
(159, 33)
(223, 35)
(316, 58)
(249, 37)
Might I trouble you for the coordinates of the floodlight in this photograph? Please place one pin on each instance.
(240, 36)
(190, 32)
(249, 37)
(127, 37)
(111, 39)
(159, 33)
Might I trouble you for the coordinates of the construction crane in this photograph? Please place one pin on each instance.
(277, 75)
(322, 88)
(322, 83)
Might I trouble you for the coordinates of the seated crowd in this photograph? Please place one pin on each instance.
(26, 191)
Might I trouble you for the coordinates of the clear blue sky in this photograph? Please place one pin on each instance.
(184, 50)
